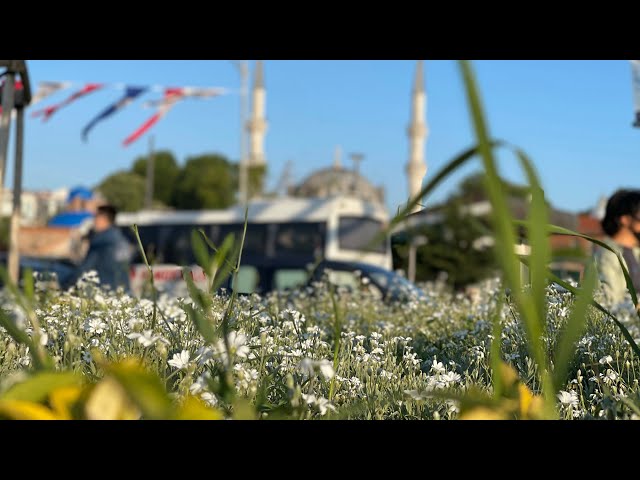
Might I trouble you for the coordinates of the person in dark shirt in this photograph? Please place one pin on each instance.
(109, 253)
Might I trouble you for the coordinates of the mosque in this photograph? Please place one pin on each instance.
(337, 179)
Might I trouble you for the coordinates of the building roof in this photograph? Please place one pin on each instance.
(337, 180)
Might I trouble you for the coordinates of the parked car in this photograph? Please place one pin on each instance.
(382, 283)
(62, 268)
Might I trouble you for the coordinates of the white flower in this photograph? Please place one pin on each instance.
(437, 367)
(203, 356)
(237, 343)
(134, 322)
(181, 360)
(450, 377)
(86, 356)
(306, 367)
(611, 376)
(199, 385)
(209, 398)
(321, 403)
(146, 338)
(568, 398)
(607, 359)
(44, 339)
(95, 326)
(326, 368)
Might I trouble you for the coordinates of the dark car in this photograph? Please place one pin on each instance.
(62, 268)
(285, 276)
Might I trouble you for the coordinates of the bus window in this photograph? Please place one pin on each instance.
(149, 236)
(307, 238)
(356, 233)
(255, 239)
(177, 248)
(289, 278)
(247, 281)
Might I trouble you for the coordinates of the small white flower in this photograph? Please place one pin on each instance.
(611, 376)
(44, 339)
(437, 367)
(95, 326)
(203, 356)
(306, 367)
(180, 360)
(568, 398)
(146, 338)
(209, 398)
(607, 359)
(326, 368)
(450, 377)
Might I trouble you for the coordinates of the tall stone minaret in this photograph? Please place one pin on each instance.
(257, 124)
(417, 131)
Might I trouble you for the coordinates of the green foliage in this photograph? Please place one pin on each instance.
(124, 190)
(256, 176)
(5, 223)
(452, 248)
(206, 181)
(166, 172)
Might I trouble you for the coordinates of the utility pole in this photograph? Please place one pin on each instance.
(148, 201)
(5, 124)
(414, 243)
(243, 69)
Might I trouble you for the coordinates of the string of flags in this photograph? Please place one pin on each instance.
(171, 96)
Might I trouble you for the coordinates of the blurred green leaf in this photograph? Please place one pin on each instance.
(38, 387)
(145, 389)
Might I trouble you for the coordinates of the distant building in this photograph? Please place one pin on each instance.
(36, 206)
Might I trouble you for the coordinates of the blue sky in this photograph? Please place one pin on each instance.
(573, 118)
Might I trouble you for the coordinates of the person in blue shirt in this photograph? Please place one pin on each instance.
(109, 253)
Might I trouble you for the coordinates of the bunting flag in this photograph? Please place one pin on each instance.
(635, 71)
(47, 88)
(130, 95)
(44, 90)
(171, 97)
(188, 92)
(46, 113)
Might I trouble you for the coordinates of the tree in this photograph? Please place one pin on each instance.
(124, 190)
(166, 172)
(453, 247)
(206, 181)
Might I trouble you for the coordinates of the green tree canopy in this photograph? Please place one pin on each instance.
(124, 190)
(206, 181)
(166, 172)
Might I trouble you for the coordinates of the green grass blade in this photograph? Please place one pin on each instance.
(496, 357)
(574, 328)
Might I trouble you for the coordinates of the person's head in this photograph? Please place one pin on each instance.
(622, 215)
(105, 217)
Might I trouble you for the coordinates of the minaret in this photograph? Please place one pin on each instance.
(417, 131)
(337, 158)
(257, 125)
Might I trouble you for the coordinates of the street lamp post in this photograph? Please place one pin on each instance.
(148, 201)
(243, 69)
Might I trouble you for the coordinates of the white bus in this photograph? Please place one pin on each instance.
(286, 232)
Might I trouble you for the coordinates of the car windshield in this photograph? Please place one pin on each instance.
(396, 285)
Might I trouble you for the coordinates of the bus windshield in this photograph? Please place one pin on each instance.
(358, 233)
